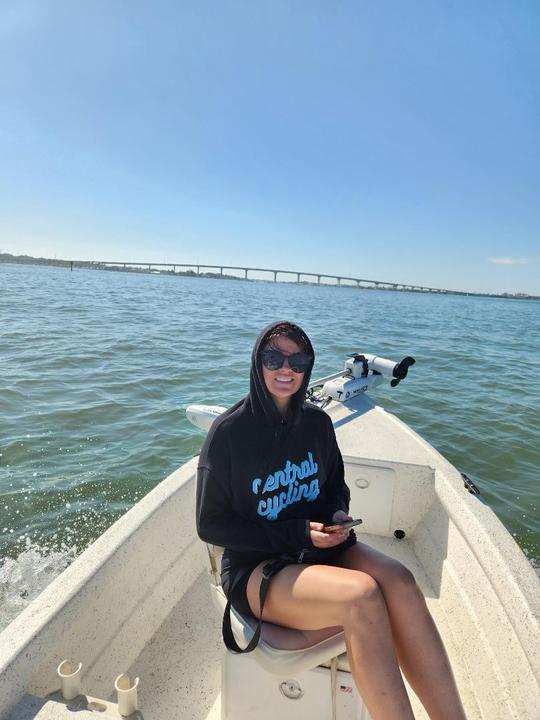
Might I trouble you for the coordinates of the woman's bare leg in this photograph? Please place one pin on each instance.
(310, 597)
(417, 642)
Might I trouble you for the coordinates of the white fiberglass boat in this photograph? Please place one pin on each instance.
(141, 608)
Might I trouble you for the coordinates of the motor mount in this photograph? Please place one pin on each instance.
(362, 372)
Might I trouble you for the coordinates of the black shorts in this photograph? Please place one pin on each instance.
(240, 600)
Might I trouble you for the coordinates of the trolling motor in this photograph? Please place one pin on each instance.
(361, 373)
(381, 366)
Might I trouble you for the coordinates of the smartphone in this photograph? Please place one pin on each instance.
(336, 527)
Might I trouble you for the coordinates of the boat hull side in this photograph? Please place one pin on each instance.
(104, 608)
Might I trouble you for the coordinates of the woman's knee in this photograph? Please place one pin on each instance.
(363, 594)
(399, 577)
(389, 573)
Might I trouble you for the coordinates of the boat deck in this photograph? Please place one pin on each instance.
(111, 609)
(170, 671)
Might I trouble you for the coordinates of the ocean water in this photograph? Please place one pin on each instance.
(97, 368)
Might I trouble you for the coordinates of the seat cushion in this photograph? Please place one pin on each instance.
(284, 638)
(282, 649)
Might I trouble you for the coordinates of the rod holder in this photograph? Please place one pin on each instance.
(127, 696)
(70, 675)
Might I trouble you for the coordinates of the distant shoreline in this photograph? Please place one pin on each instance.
(146, 268)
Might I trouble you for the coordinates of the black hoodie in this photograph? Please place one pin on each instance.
(262, 478)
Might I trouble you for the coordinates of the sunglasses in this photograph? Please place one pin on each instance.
(298, 362)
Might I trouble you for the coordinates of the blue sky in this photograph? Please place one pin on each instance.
(395, 141)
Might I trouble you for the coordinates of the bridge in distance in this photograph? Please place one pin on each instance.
(321, 278)
(201, 270)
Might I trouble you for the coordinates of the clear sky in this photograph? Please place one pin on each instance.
(389, 140)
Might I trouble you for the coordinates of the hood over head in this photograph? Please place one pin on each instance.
(262, 404)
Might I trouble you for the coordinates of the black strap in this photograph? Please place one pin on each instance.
(270, 569)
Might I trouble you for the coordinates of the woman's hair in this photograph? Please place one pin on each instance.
(293, 332)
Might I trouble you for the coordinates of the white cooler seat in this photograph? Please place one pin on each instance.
(281, 650)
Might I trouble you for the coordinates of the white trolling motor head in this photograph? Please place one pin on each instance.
(380, 366)
(362, 372)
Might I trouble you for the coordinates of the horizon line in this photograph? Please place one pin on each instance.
(123, 266)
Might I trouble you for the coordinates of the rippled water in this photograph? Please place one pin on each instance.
(97, 368)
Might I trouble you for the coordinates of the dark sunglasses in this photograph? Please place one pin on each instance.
(298, 362)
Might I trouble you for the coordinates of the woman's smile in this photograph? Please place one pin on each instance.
(283, 382)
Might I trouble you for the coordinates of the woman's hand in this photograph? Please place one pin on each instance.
(327, 540)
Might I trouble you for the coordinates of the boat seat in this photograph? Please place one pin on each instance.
(280, 649)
